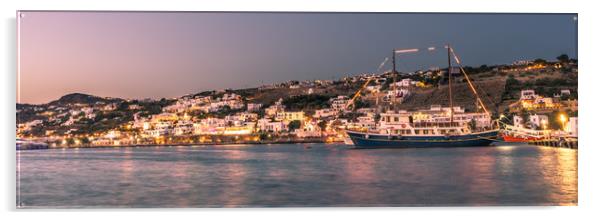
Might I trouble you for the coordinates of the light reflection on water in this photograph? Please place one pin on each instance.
(296, 175)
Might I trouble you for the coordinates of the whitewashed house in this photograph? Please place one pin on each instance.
(184, 128)
(373, 88)
(572, 127)
(339, 103)
(324, 113)
(406, 82)
(528, 94)
(254, 107)
(269, 126)
(536, 120)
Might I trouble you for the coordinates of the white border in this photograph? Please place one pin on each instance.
(590, 78)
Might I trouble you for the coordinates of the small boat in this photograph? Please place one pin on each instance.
(512, 133)
(30, 145)
(519, 139)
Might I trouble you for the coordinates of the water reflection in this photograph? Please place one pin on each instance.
(478, 174)
(560, 175)
(360, 176)
(235, 174)
(296, 175)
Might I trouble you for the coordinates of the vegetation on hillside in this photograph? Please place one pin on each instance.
(303, 102)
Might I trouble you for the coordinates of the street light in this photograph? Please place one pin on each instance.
(562, 118)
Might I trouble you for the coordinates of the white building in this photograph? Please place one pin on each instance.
(110, 107)
(275, 108)
(157, 132)
(134, 107)
(528, 94)
(287, 116)
(563, 93)
(324, 113)
(571, 127)
(269, 126)
(233, 120)
(230, 96)
(213, 122)
(246, 116)
(184, 128)
(374, 88)
(27, 126)
(310, 91)
(395, 85)
(367, 121)
(398, 93)
(113, 134)
(74, 112)
(538, 120)
(406, 82)
(253, 107)
(339, 103)
(366, 110)
(518, 121)
(204, 129)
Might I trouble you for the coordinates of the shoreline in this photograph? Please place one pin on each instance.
(310, 141)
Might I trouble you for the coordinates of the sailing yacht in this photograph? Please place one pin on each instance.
(443, 127)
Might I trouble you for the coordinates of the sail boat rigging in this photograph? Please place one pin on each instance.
(398, 129)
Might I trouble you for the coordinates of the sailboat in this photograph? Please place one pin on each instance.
(448, 127)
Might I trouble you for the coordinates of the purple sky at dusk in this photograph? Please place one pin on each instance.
(154, 55)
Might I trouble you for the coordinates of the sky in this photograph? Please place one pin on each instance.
(140, 55)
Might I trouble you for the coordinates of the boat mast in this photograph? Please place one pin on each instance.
(394, 72)
(449, 78)
(393, 59)
(471, 86)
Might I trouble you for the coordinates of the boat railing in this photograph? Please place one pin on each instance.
(436, 124)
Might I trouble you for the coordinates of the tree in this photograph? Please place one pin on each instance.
(540, 61)
(296, 124)
(322, 124)
(70, 141)
(303, 102)
(483, 68)
(85, 141)
(361, 104)
(263, 136)
(563, 58)
(336, 123)
(512, 87)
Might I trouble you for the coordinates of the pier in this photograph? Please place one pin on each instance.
(560, 142)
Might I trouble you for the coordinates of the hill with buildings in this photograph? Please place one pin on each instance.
(303, 108)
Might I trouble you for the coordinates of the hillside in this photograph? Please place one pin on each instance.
(490, 91)
(80, 98)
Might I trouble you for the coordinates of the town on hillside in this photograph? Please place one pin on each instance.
(535, 94)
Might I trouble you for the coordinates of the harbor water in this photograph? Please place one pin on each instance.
(295, 175)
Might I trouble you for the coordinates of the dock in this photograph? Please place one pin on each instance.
(561, 142)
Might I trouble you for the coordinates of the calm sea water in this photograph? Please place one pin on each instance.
(295, 175)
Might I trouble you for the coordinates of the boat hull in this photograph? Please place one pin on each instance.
(510, 138)
(371, 140)
(31, 146)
